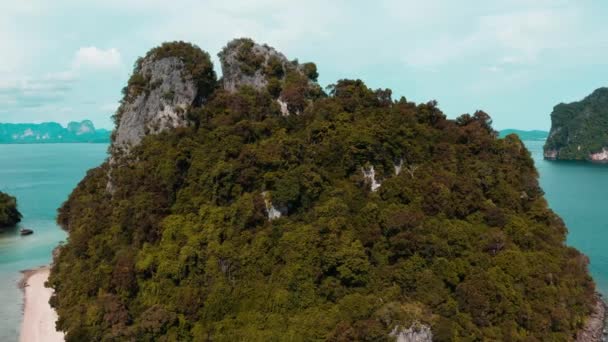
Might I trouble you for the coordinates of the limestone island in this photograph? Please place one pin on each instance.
(579, 130)
(9, 215)
(260, 206)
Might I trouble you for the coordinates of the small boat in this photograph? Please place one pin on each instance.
(24, 232)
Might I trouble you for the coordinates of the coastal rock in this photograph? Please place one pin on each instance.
(417, 332)
(593, 331)
(550, 154)
(600, 156)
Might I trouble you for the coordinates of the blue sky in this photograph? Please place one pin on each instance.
(68, 60)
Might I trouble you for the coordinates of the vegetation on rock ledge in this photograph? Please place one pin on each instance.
(458, 235)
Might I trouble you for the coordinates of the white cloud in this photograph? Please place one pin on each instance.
(519, 34)
(95, 58)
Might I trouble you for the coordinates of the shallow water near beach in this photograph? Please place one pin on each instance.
(41, 177)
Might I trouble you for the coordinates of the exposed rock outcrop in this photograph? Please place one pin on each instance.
(550, 154)
(593, 331)
(165, 84)
(246, 63)
(416, 333)
(162, 105)
(370, 176)
(398, 167)
(272, 211)
(601, 157)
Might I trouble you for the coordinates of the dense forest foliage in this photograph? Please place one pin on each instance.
(456, 236)
(580, 128)
(9, 215)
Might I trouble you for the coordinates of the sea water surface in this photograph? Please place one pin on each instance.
(578, 192)
(41, 177)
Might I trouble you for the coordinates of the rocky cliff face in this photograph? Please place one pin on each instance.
(601, 156)
(160, 106)
(579, 130)
(166, 84)
(416, 333)
(246, 63)
(593, 331)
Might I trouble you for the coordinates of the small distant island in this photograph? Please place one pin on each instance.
(9, 215)
(52, 132)
(579, 130)
(536, 135)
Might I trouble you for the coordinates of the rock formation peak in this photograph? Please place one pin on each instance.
(247, 63)
(164, 85)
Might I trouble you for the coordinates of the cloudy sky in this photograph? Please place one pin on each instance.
(68, 60)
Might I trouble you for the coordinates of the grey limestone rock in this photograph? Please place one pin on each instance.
(160, 107)
(245, 62)
(417, 332)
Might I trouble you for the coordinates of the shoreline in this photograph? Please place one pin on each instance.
(38, 324)
(596, 324)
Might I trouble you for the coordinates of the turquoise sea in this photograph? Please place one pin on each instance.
(42, 176)
(578, 192)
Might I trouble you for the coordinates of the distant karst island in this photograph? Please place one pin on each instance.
(536, 135)
(9, 215)
(579, 130)
(52, 132)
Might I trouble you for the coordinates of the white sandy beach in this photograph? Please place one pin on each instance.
(39, 318)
